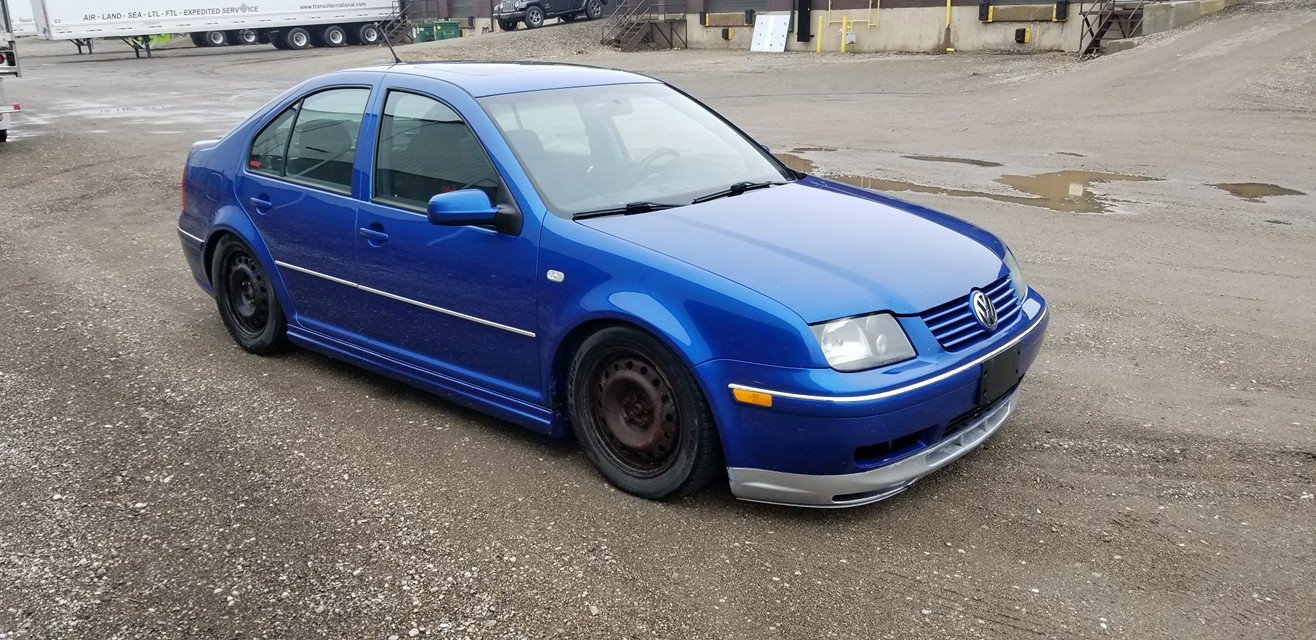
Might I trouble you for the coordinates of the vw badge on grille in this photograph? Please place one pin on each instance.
(983, 309)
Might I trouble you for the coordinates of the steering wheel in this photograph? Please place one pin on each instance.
(646, 165)
(477, 184)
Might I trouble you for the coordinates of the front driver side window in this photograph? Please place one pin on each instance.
(426, 149)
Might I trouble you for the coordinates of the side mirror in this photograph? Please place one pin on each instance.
(462, 208)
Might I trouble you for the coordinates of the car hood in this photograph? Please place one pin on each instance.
(823, 249)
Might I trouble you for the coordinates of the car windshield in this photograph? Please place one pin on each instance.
(592, 149)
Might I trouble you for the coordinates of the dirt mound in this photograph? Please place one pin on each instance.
(551, 42)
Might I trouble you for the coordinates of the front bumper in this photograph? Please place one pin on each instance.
(854, 489)
(824, 438)
(509, 15)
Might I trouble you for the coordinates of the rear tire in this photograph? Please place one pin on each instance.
(366, 34)
(594, 9)
(240, 37)
(641, 416)
(297, 39)
(216, 38)
(534, 17)
(247, 302)
(333, 36)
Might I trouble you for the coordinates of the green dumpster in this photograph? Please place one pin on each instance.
(440, 30)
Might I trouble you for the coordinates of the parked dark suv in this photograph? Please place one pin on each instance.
(534, 12)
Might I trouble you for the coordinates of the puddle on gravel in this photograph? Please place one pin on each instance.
(1255, 191)
(976, 163)
(1067, 191)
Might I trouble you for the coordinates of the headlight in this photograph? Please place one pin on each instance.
(1016, 275)
(855, 344)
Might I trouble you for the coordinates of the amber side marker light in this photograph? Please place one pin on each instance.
(746, 396)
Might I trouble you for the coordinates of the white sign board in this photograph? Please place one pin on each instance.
(770, 32)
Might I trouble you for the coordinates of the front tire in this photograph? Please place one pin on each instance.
(534, 17)
(640, 415)
(247, 303)
(507, 25)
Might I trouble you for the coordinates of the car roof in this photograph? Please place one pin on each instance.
(494, 78)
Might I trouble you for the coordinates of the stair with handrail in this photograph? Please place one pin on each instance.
(638, 24)
(1103, 19)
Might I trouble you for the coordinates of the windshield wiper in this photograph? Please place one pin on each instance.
(628, 209)
(735, 190)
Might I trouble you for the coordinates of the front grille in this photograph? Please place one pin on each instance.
(953, 323)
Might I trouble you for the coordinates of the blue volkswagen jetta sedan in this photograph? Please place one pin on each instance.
(586, 250)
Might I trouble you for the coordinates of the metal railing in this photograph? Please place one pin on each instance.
(1104, 18)
(634, 21)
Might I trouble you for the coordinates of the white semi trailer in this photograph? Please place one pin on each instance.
(287, 24)
(21, 22)
(8, 69)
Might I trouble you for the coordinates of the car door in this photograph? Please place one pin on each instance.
(459, 301)
(297, 187)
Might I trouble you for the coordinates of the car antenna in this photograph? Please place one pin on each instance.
(384, 32)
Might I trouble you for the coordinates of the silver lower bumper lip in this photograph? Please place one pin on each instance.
(854, 489)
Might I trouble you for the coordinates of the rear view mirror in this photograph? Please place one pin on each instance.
(471, 207)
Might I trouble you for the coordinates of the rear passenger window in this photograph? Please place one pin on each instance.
(323, 145)
(268, 152)
(426, 149)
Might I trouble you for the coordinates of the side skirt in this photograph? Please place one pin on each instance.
(531, 416)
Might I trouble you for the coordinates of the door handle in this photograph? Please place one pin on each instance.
(261, 203)
(375, 236)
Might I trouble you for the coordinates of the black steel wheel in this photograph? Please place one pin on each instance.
(534, 17)
(641, 416)
(594, 9)
(247, 302)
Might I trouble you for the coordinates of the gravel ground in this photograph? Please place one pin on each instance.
(1157, 480)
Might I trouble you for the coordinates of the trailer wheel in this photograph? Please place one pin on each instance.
(263, 37)
(216, 38)
(297, 39)
(198, 39)
(333, 36)
(4, 135)
(240, 37)
(365, 34)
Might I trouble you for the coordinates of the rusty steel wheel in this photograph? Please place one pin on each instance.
(633, 402)
(640, 416)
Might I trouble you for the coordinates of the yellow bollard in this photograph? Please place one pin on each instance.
(822, 26)
(845, 29)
